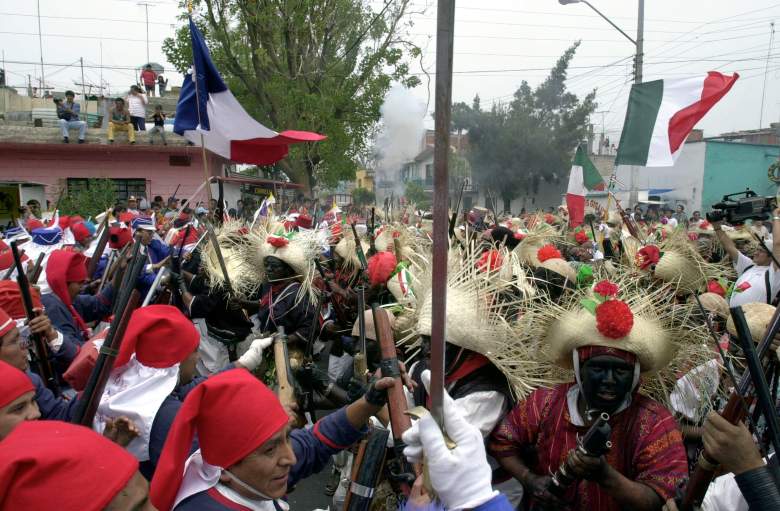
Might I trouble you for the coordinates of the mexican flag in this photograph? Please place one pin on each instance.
(584, 176)
(661, 115)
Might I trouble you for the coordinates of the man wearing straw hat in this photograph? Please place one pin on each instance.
(608, 351)
(759, 278)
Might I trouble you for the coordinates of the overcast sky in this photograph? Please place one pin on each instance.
(496, 47)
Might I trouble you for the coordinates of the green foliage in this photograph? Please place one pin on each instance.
(363, 197)
(516, 146)
(319, 65)
(98, 196)
(415, 194)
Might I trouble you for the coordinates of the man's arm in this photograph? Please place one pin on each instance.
(726, 242)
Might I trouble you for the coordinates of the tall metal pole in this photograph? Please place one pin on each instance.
(84, 92)
(40, 47)
(445, 29)
(640, 42)
(146, 8)
(766, 71)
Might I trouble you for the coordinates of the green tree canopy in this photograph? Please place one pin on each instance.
(317, 65)
(363, 197)
(516, 146)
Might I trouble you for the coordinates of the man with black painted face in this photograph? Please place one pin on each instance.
(608, 351)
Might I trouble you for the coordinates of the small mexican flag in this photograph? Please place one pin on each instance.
(661, 115)
(584, 176)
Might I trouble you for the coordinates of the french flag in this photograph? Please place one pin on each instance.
(208, 109)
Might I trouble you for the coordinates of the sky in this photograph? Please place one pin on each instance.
(498, 44)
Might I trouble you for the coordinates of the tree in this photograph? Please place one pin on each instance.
(415, 194)
(363, 197)
(516, 146)
(95, 198)
(318, 65)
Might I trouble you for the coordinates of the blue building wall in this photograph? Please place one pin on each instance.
(730, 167)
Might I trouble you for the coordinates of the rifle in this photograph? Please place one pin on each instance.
(454, 217)
(400, 469)
(366, 470)
(155, 284)
(41, 351)
(359, 249)
(101, 246)
(371, 230)
(127, 300)
(360, 364)
(109, 263)
(594, 443)
(7, 274)
(125, 279)
(37, 268)
(734, 412)
(340, 313)
(632, 228)
(285, 392)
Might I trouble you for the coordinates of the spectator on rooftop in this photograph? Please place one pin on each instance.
(159, 125)
(68, 115)
(149, 77)
(162, 84)
(120, 121)
(136, 104)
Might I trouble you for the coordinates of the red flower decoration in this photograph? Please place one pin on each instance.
(491, 260)
(704, 225)
(714, 286)
(380, 266)
(606, 289)
(693, 236)
(519, 236)
(278, 241)
(549, 218)
(548, 252)
(396, 234)
(614, 319)
(648, 256)
(581, 237)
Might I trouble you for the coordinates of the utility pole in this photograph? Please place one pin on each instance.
(40, 45)
(146, 8)
(84, 92)
(766, 71)
(640, 42)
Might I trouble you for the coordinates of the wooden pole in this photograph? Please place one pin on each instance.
(445, 28)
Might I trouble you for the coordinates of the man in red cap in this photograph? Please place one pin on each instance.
(248, 457)
(82, 235)
(68, 309)
(54, 465)
(17, 399)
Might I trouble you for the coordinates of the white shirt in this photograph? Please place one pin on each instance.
(136, 105)
(755, 276)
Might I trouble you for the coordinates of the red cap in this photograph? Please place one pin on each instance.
(11, 299)
(63, 221)
(13, 383)
(192, 237)
(34, 223)
(118, 237)
(159, 335)
(7, 257)
(7, 323)
(80, 232)
(74, 219)
(380, 267)
(45, 464)
(232, 413)
(126, 217)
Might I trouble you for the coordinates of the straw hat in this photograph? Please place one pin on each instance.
(676, 268)
(758, 316)
(561, 267)
(347, 250)
(244, 277)
(715, 303)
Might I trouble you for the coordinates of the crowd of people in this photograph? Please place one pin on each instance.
(586, 367)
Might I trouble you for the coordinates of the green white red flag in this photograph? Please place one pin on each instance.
(584, 176)
(662, 113)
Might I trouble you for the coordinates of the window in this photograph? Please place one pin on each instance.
(429, 173)
(123, 188)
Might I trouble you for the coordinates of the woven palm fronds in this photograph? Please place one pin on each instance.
(682, 265)
(243, 275)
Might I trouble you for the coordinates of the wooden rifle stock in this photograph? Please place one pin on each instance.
(41, 350)
(360, 364)
(371, 231)
(359, 250)
(35, 273)
(366, 470)
(632, 228)
(285, 391)
(101, 246)
(734, 412)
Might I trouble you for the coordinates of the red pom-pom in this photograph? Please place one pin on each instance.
(277, 241)
(396, 234)
(491, 260)
(606, 289)
(704, 225)
(380, 267)
(581, 237)
(548, 218)
(693, 236)
(519, 236)
(714, 286)
(548, 252)
(648, 256)
(614, 319)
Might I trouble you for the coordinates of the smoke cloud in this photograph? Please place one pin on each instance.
(400, 136)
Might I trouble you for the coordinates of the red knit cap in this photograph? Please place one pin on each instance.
(126, 217)
(13, 383)
(586, 353)
(118, 237)
(232, 413)
(71, 265)
(80, 232)
(74, 219)
(63, 222)
(159, 335)
(56, 465)
(7, 324)
(33, 223)
(11, 299)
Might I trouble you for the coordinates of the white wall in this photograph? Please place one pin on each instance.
(685, 177)
(36, 192)
(232, 193)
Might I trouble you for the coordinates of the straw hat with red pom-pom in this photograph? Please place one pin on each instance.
(380, 266)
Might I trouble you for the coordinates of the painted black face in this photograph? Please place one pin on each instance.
(276, 269)
(606, 381)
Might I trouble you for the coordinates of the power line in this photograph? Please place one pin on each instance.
(81, 18)
(72, 36)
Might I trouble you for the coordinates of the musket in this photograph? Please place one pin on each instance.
(632, 228)
(37, 268)
(101, 246)
(155, 284)
(360, 364)
(7, 274)
(285, 391)
(359, 250)
(734, 411)
(41, 351)
(366, 470)
(340, 313)
(128, 299)
(109, 262)
(126, 279)
(454, 217)
(401, 471)
(594, 443)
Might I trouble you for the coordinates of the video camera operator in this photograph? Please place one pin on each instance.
(759, 277)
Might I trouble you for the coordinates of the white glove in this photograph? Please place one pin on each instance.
(461, 477)
(254, 355)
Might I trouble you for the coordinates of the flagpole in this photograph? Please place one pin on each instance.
(206, 173)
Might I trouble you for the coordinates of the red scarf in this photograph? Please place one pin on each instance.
(62, 268)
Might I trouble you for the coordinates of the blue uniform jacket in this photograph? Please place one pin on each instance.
(51, 407)
(312, 447)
